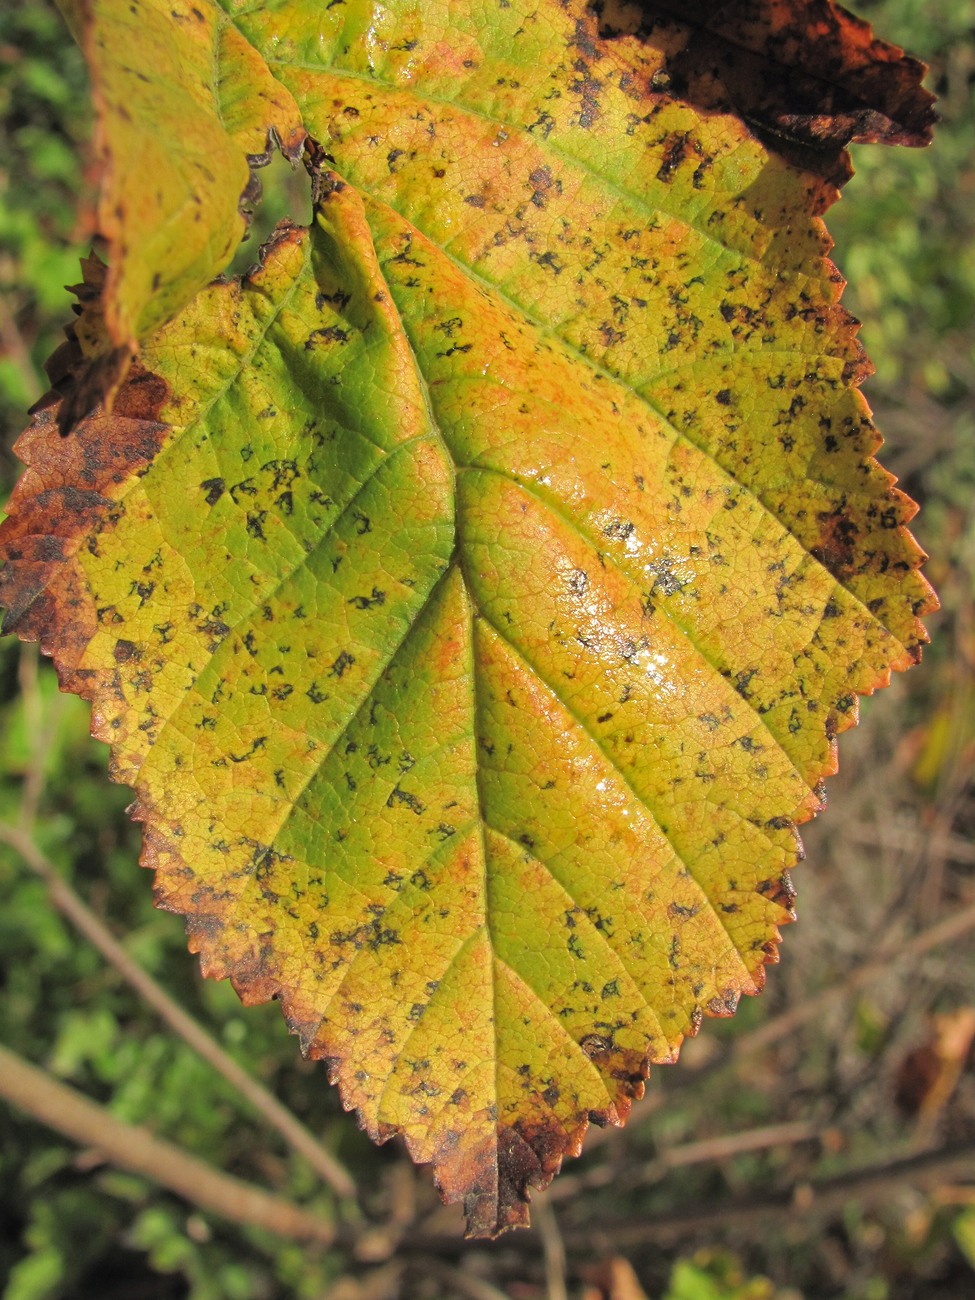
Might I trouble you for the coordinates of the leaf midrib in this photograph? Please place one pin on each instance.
(477, 612)
(547, 331)
(797, 276)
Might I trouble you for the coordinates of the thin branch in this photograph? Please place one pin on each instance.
(462, 1284)
(809, 1201)
(553, 1248)
(297, 1136)
(135, 1149)
(721, 1147)
(912, 840)
(735, 1144)
(781, 1026)
(39, 731)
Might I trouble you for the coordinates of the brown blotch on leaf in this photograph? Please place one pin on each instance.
(529, 1155)
(82, 372)
(525, 1156)
(68, 491)
(836, 547)
(807, 76)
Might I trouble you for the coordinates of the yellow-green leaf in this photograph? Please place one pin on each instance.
(474, 594)
(182, 101)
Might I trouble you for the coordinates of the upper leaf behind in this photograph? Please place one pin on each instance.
(181, 101)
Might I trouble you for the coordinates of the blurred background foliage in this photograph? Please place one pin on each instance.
(733, 1181)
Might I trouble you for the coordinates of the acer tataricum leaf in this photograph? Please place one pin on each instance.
(473, 594)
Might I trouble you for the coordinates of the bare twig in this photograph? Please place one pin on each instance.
(462, 1284)
(84, 919)
(39, 732)
(721, 1147)
(781, 1026)
(736, 1144)
(808, 1201)
(135, 1149)
(553, 1248)
(874, 1183)
(914, 840)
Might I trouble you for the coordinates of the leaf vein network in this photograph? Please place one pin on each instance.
(555, 507)
(490, 287)
(564, 155)
(601, 749)
(172, 718)
(603, 939)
